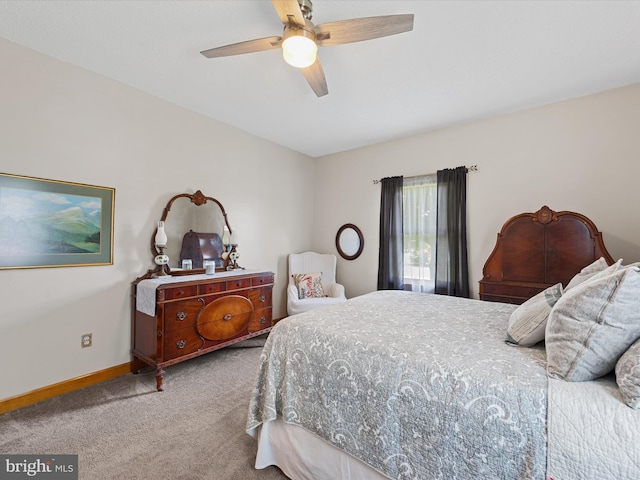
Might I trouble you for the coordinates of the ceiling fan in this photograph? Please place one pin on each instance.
(301, 38)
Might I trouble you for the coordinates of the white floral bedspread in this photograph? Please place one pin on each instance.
(417, 386)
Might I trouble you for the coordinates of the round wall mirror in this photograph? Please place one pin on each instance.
(349, 241)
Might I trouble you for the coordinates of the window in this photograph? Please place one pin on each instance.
(419, 196)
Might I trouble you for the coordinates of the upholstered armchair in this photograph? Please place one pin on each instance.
(313, 276)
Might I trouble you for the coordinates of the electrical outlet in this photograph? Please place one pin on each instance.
(87, 340)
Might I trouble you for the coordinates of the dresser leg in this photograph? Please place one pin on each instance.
(136, 365)
(159, 377)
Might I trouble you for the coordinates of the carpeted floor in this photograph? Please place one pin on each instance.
(124, 429)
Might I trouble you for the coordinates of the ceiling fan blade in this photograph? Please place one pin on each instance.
(289, 12)
(250, 46)
(359, 29)
(316, 79)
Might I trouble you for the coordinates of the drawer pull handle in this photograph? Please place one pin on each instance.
(227, 317)
(181, 344)
(181, 316)
(262, 320)
(262, 298)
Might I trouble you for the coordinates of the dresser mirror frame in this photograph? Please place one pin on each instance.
(349, 241)
(196, 212)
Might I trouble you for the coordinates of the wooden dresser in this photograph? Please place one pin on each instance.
(182, 317)
(537, 250)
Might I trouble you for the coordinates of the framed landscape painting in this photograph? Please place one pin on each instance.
(50, 223)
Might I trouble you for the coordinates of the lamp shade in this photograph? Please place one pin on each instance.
(161, 235)
(299, 50)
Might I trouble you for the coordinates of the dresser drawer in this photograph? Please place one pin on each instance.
(260, 319)
(209, 288)
(181, 342)
(261, 280)
(238, 283)
(181, 314)
(180, 292)
(260, 297)
(225, 318)
(502, 299)
(509, 292)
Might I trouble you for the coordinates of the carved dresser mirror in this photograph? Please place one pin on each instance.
(195, 226)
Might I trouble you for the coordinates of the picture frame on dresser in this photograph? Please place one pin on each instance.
(54, 223)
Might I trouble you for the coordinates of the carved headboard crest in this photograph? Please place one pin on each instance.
(545, 215)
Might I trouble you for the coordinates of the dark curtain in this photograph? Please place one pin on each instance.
(452, 268)
(390, 256)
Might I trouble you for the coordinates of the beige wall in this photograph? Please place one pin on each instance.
(61, 122)
(64, 123)
(581, 155)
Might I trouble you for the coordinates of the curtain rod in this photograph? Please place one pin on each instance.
(472, 168)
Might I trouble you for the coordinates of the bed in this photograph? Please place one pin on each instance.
(399, 385)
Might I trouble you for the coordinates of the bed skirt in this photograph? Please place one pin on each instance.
(284, 445)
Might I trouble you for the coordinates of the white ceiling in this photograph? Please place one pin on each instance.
(464, 60)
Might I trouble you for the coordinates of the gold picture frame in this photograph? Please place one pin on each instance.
(52, 223)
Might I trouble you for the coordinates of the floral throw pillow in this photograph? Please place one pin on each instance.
(309, 285)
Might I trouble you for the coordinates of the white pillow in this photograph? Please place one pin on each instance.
(528, 322)
(598, 267)
(628, 375)
(592, 325)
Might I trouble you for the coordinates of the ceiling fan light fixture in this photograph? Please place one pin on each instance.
(299, 48)
(300, 38)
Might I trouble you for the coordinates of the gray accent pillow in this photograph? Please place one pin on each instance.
(592, 325)
(590, 271)
(628, 375)
(528, 322)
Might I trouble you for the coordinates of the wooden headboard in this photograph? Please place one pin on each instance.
(537, 250)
